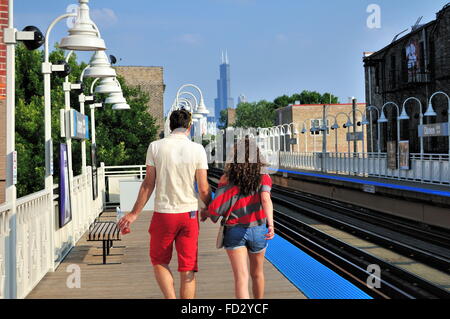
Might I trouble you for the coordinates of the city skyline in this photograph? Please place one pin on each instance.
(275, 49)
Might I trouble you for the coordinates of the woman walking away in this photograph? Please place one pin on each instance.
(243, 199)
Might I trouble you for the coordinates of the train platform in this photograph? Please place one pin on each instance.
(133, 278)
(290, 273)
(426, 203)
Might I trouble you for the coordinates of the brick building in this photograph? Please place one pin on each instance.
(416, 65)
(3, 25)
(310, 116)
(151, 80)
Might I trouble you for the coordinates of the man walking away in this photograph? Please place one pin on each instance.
(174, 164)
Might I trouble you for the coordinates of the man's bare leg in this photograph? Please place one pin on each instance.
(164, 278)
(188, 285)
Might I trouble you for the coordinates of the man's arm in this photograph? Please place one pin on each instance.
(203, 186)
(204, 190)
(145, 192)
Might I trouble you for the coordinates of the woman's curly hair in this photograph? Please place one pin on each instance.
(245, 167)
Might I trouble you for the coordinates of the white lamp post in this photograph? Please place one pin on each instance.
(32, 40)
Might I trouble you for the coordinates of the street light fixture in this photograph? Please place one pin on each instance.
(83, 36)
(383, 119)
(99, 67)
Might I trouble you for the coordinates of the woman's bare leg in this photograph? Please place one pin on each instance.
(239, 263)
(257, 274)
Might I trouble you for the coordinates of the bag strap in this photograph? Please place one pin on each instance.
(233, 202)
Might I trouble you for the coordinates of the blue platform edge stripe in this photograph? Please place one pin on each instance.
(358, 181)
(313, 279)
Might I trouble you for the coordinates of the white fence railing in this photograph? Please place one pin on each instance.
(427, 168)
(113, 176)
(4, 233)
(38, 247)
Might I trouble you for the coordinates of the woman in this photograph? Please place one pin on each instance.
(243, 196)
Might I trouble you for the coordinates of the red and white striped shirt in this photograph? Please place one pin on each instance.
(244, 210)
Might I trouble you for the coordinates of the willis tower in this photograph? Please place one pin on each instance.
(224, 100)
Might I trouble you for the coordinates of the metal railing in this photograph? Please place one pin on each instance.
(39, 248)
(426, 168)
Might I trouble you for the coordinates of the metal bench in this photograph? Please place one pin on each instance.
(107, 233)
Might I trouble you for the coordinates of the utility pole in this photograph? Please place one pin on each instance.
(355, 142)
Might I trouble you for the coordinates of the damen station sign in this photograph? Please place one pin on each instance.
(433, 130)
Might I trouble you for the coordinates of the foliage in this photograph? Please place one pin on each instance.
(122, 137)
(260, 114)
(305, 97)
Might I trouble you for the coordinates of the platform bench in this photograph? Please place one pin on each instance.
(107, 233)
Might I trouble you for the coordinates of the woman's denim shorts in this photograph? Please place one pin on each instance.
(253, 238)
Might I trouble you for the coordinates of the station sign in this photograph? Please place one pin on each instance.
(79, 125)
(355, 136)
(433, 130)
(293, 141)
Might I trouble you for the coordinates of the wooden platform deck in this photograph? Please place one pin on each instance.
(133, 279)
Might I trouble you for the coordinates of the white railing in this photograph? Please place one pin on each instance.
(113, 176)
(427, 168)
(34, 257)
(4, 253)
(40, 248)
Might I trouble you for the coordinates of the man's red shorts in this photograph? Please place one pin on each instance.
(183, 229)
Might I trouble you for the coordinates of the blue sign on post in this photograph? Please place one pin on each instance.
(80, 126)
(433, 130)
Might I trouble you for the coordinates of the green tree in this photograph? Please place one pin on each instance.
(223, 119)
(260, 114)
(122, 136)
(305, 97)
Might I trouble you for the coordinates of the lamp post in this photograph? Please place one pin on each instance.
(383, 119)
(201, 110)
(288, 132)
(370, 108)
(334, 128)
(304, 132)
(404, 116)
(430, 112)
(347, 126)
(361, 123)
(33, 39)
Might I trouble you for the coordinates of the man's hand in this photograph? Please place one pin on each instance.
(204, 214)
(126, 221)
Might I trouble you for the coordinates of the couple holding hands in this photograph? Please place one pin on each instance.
(243, 200)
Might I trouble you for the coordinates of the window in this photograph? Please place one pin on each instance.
(317, 123)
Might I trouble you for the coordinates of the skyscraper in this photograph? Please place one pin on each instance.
(224, 99)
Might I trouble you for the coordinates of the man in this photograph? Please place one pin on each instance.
(173, 166)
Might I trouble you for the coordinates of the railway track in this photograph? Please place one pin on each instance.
(323, 229)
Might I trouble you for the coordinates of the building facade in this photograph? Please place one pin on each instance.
(311, 116)
(3, 24)
(224, 99)
(151, 81)
(416, 65)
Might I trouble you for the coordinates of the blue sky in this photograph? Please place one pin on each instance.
(275, 47)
